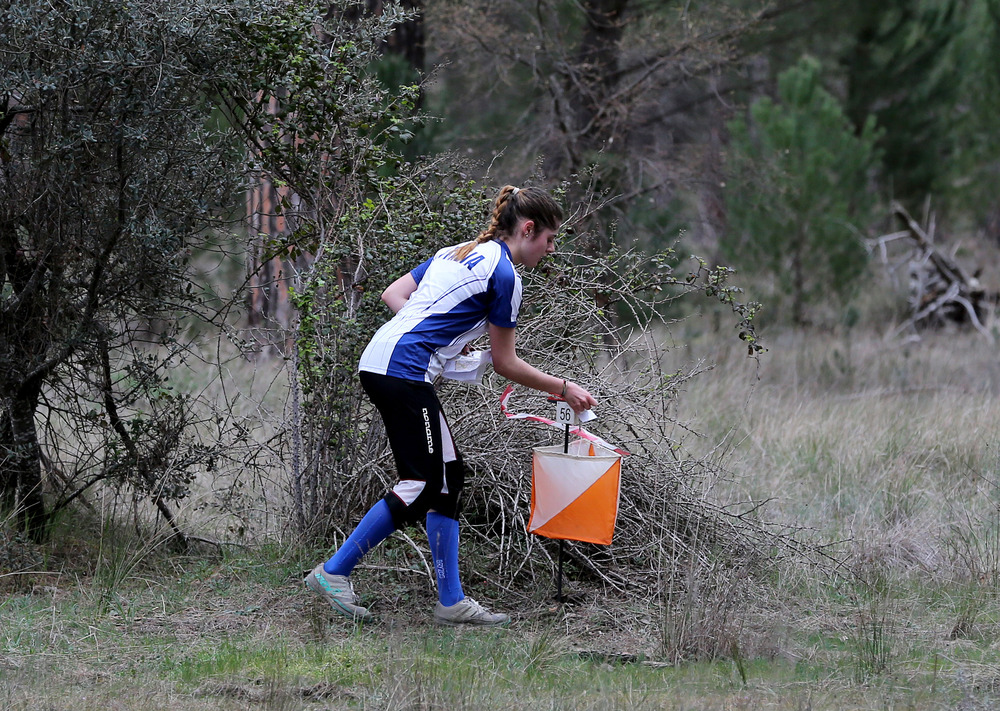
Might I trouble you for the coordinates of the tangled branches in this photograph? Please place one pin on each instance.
(592, 318)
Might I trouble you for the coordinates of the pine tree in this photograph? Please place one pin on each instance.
(799, 191)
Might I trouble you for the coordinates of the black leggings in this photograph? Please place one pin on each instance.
(429, 465)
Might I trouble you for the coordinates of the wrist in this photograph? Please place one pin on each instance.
(565, 385)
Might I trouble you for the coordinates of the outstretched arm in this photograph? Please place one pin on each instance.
(507, 363)
(398, 292)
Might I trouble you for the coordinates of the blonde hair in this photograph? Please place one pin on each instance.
(511, 205)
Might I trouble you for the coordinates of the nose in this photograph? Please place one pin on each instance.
(550, 248)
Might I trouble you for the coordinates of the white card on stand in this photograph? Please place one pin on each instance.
(566, 416)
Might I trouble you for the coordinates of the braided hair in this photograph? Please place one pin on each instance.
(513, 204)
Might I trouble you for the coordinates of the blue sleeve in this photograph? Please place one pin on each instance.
(506, 296)
(418, 272)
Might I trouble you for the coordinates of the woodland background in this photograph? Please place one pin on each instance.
(777, 276)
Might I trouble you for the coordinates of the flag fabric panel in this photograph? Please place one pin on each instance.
(574, 495)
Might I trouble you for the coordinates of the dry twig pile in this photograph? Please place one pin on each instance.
(590, 320)
(940, 290)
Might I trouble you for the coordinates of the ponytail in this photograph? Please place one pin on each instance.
(510, 206)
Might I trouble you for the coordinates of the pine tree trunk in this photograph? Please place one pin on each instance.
(596, 68)
(8, 481)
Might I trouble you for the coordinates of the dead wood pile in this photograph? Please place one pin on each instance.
(940, 290)
(669, 523)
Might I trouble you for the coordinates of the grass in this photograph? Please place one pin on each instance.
(887, 454)
(194, 641)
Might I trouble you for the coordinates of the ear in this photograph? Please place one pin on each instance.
(528, 226)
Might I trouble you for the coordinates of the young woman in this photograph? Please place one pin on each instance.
(458, 295)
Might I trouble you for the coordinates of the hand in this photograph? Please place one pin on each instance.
(578, 398)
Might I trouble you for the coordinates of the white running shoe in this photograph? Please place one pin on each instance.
(468, 612)
(338, 592)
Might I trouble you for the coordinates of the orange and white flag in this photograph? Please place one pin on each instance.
(574, 495)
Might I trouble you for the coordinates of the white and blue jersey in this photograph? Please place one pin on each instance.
(452, 306)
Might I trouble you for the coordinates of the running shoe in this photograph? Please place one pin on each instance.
(468, 612)
(338, 592)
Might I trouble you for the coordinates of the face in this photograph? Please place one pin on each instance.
(537, 243)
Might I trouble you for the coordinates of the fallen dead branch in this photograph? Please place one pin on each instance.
(667, 517)
(940, 290)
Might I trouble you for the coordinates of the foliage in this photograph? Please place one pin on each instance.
(926, 70)
(313, 111)
(799, 197)
(912, 44)
(110, 171)
(320, 122)
(974, 172)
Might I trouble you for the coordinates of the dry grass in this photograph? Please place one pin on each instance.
(885, 453)
(891, 451)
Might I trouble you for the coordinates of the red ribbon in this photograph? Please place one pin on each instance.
(578, 431)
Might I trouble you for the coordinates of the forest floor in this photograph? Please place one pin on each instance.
(888, 450)
(202, 633)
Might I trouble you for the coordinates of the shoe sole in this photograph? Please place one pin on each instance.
(313, 584)
(470, 623)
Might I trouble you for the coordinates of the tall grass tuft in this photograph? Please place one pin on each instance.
(705, 604)
(873, 632)
(120, 554)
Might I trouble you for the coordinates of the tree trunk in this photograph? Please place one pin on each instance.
(591, 81)
(798, 284)
(597, 57)
(22, 466)
(8, 482)
(408, 39)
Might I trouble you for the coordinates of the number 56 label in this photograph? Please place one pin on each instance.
(565, 414)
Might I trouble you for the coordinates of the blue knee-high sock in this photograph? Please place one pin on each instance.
(442, 533)
(374, 528)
